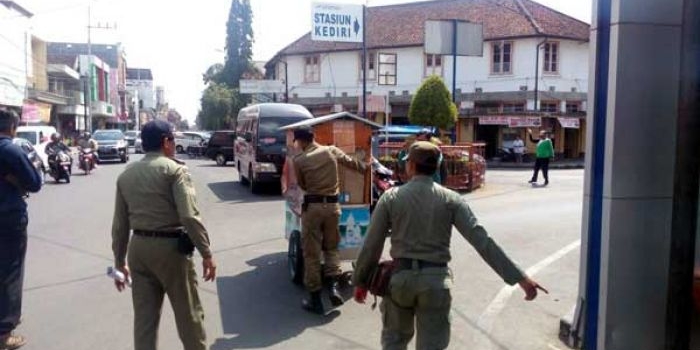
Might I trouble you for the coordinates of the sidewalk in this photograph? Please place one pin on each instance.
(560, 164)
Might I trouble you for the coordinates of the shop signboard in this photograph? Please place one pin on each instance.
(570, 123)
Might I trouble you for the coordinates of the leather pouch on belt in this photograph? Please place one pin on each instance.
(185, 245)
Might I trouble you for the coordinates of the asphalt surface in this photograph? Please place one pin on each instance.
(70, 304)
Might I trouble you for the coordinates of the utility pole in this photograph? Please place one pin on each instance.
(88, 100)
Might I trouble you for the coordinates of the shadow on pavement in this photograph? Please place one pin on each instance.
(233, 191)
(261, 307)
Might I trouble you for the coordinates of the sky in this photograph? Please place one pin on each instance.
(179, 40)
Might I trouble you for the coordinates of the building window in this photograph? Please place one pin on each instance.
(502, 57)
(387, 69)
(371, 66)
(487, 108)
(433, 65)
(312, 69)
(549, 106)
(514, 107)
(573, 107)
(551, 58)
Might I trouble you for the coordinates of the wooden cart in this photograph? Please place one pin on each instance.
(353, 135)
(466, 166)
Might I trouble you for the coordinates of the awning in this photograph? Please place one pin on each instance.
(570, 123)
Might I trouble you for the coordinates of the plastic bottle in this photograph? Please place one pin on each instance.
(117, 275)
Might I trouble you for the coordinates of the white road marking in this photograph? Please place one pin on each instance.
(552, 347)
(487, 318)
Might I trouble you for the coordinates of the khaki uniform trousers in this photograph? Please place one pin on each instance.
(157, 269)
(320, 235)
(419, 301)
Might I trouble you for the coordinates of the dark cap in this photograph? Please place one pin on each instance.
(153, 133)
(304, 133)
(423, 152)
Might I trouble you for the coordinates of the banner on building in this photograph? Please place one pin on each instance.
(495, 120)
(524, 122)
(36, 112)
(375, 104)
(570, 123)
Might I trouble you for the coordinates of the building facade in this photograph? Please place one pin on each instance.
(108, 94)
(139, 84)
(15, 60)
(495, 93)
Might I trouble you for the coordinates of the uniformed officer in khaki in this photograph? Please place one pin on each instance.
(418, 218)
(156, 199)
(317, 174)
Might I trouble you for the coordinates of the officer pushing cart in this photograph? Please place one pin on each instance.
(327, 189)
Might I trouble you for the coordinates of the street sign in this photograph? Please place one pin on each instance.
(336, 22)
(439, 36)
(261, 86)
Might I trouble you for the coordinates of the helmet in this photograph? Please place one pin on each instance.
(86, 135)
(55, 137)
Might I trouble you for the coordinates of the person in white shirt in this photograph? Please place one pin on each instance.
(518, 149)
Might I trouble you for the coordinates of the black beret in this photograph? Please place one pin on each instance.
(153, 132)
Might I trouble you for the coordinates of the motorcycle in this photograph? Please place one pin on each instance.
(382, 181)
(86, 160)
(60, 166)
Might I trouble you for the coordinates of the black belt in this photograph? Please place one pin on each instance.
(159, 234)
(407, 264)
(312, 198)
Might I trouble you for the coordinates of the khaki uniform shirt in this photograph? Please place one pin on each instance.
(91, 143)
(420, 215)
(317, 169)
(156, 194)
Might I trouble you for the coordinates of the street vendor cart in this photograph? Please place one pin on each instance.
(352, 135)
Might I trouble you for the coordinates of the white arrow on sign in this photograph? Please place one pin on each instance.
(337, 22)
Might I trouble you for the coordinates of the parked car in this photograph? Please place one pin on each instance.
(189, 138)
(131, 136)
(220, 146)
(38, 136)
(32, 154)
(112, 145)
(260, 144)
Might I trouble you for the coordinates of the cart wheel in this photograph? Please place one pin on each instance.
(346, 279)
(295, 258)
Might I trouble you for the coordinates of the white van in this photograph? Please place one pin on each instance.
(38, 136)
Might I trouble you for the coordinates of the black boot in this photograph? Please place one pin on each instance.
(333, 293)
(313, 303)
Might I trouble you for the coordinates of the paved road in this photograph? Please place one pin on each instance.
(69, 304)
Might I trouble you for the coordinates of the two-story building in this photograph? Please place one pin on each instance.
(108, 97)
(139, 84)
(495, 93)
(15, 54)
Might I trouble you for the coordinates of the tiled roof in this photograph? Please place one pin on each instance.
(403, 24)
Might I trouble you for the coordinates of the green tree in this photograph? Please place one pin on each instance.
(432, 105)
(239, 42)
(213, 74)
(217, 109)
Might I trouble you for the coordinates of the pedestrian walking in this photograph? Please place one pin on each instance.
(418, 218)
(518, 149)
(17, 177)
(156, 200)
(544, 152)
(316, 169)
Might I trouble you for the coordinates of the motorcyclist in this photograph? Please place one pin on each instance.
(54, 147)
(87, 142)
